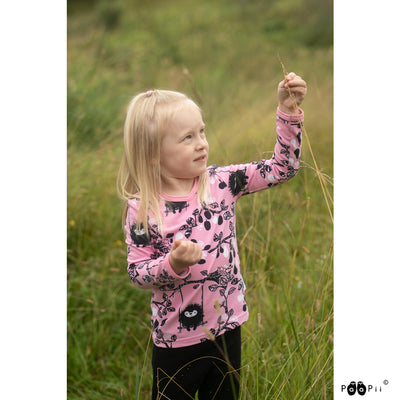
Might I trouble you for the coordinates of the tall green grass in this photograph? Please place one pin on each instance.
(225, 54)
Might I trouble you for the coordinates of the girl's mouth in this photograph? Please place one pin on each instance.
(201, 158)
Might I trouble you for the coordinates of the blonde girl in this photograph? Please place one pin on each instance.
(181, 235)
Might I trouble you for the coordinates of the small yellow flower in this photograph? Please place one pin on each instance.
(217, 306)
(71, 222)
(117, 243)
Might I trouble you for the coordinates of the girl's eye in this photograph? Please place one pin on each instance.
(188, 137)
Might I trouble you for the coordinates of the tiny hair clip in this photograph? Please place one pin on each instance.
(149, 93)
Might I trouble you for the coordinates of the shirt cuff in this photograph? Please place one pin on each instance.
(291, 117)
(171, 271)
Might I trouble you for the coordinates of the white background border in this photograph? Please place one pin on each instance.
(367, 204)
(33, 199)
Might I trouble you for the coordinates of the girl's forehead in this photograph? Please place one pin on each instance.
(188, 109)
(178, 117)
(184, 106)
(186, 113)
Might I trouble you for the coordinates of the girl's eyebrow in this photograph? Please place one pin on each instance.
(191, 130)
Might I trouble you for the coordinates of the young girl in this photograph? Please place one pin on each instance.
(181, 235)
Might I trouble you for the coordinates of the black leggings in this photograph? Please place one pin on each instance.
(179, 373)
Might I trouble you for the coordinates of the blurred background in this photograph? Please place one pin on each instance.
(226, 55)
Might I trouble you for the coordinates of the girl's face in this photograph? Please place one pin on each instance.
(184, 148)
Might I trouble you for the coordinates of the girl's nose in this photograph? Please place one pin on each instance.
(201, 142)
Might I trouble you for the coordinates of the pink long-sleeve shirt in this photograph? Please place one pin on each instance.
(210, 295)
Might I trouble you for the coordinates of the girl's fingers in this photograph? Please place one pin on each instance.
(176, 244)
(290, 75)
(186, 251)
(289, 78)
(296, 82)
(193, 251)
(292, 80)
(298, 90)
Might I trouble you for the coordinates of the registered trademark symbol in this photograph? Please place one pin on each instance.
(385, 382)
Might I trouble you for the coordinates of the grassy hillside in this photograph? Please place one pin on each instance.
(226, 55)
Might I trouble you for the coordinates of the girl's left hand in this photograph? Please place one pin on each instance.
(291, 93)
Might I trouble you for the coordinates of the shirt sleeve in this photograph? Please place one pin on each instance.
(283, 165)
(148, 256)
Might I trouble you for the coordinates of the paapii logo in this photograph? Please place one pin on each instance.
(352, 389)
(360, 388)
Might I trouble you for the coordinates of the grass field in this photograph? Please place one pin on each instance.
(226, 55)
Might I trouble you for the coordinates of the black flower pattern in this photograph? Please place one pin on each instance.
(237, 181)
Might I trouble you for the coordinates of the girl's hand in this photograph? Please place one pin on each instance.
(183, 254)
(291, 92)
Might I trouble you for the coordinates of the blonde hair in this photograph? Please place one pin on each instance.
(139, 175)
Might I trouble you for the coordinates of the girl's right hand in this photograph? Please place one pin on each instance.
(183, 254)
